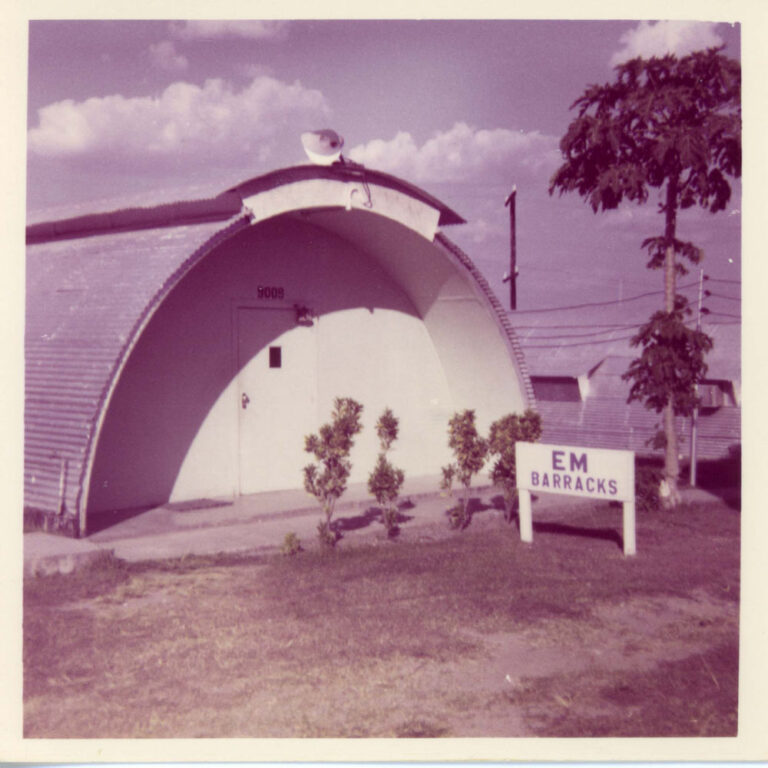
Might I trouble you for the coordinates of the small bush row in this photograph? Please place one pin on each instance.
(326, 478)
(471, 451)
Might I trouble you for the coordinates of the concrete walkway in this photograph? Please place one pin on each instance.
(260, 522)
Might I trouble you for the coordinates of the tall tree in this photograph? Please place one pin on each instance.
(673, 124)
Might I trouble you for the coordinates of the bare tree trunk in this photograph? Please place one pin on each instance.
(671, 458)
(671, 453)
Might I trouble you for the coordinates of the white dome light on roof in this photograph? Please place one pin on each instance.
(323, 147)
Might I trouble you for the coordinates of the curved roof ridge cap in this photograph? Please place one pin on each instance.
(503, 320)
(344, 172)
(223, 206)
(178, 213)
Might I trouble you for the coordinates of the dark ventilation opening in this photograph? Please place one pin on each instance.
(564, 389)
(715, 393)
(275, 357)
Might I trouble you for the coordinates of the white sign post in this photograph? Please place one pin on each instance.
(591, 473)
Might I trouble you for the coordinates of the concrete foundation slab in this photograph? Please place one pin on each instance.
(46, 554)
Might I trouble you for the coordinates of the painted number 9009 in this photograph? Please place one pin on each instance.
(270, 292)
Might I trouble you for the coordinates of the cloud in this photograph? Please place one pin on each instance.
(255, 30)
(251, 70)
(212, 123)
(165, 56)
(659, 38)
(463, 153)
(480, 230)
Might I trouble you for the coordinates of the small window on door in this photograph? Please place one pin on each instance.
(275, 357)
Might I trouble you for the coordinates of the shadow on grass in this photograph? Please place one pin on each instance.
(602, 534)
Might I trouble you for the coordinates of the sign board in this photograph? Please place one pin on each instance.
(588, 472)
(592, 473)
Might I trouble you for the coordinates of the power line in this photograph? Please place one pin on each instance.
(722, 280)
(607, 328)
(723, 296)
(598, 303)
(724, 314)
(608, 276)
(618, 326)
(576, 344)
(578, 335)
(566, 345)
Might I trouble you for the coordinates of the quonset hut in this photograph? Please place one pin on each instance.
(183, 351)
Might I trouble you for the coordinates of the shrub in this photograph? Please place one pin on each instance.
(647, 483)
(470, 451)
(327, 534)
(505, 432)
(291, 544)
(327, 479)
(385, 481)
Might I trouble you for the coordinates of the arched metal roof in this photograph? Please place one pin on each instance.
(87, 302)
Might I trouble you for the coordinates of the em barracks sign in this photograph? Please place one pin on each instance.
(591, 473)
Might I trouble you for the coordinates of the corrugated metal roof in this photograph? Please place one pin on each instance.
(604, 419)
(86, 299)
(609, 422)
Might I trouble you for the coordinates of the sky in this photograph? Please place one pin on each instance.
(139, 112)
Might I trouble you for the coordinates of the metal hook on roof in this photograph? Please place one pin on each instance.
(352, 189)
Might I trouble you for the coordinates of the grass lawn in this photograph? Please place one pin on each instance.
(461, 634)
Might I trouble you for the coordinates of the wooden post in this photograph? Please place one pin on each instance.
(630, 543)
(510, 201)
(525, 516)
(695, 414)
(62, 487)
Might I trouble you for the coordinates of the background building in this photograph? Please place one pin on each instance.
(577, 358)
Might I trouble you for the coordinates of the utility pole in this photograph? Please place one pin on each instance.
(510, 201)
(695, 414)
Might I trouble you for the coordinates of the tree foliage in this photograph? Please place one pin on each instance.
(663, 123)
(504, 433)
(327, 479)
(672, 357)
(385, 481)
(470, 451)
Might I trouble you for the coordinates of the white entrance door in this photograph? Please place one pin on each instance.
(277, 364)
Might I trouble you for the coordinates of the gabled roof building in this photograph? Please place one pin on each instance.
(582, 397)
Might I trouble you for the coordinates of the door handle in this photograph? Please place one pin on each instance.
(244, 400)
